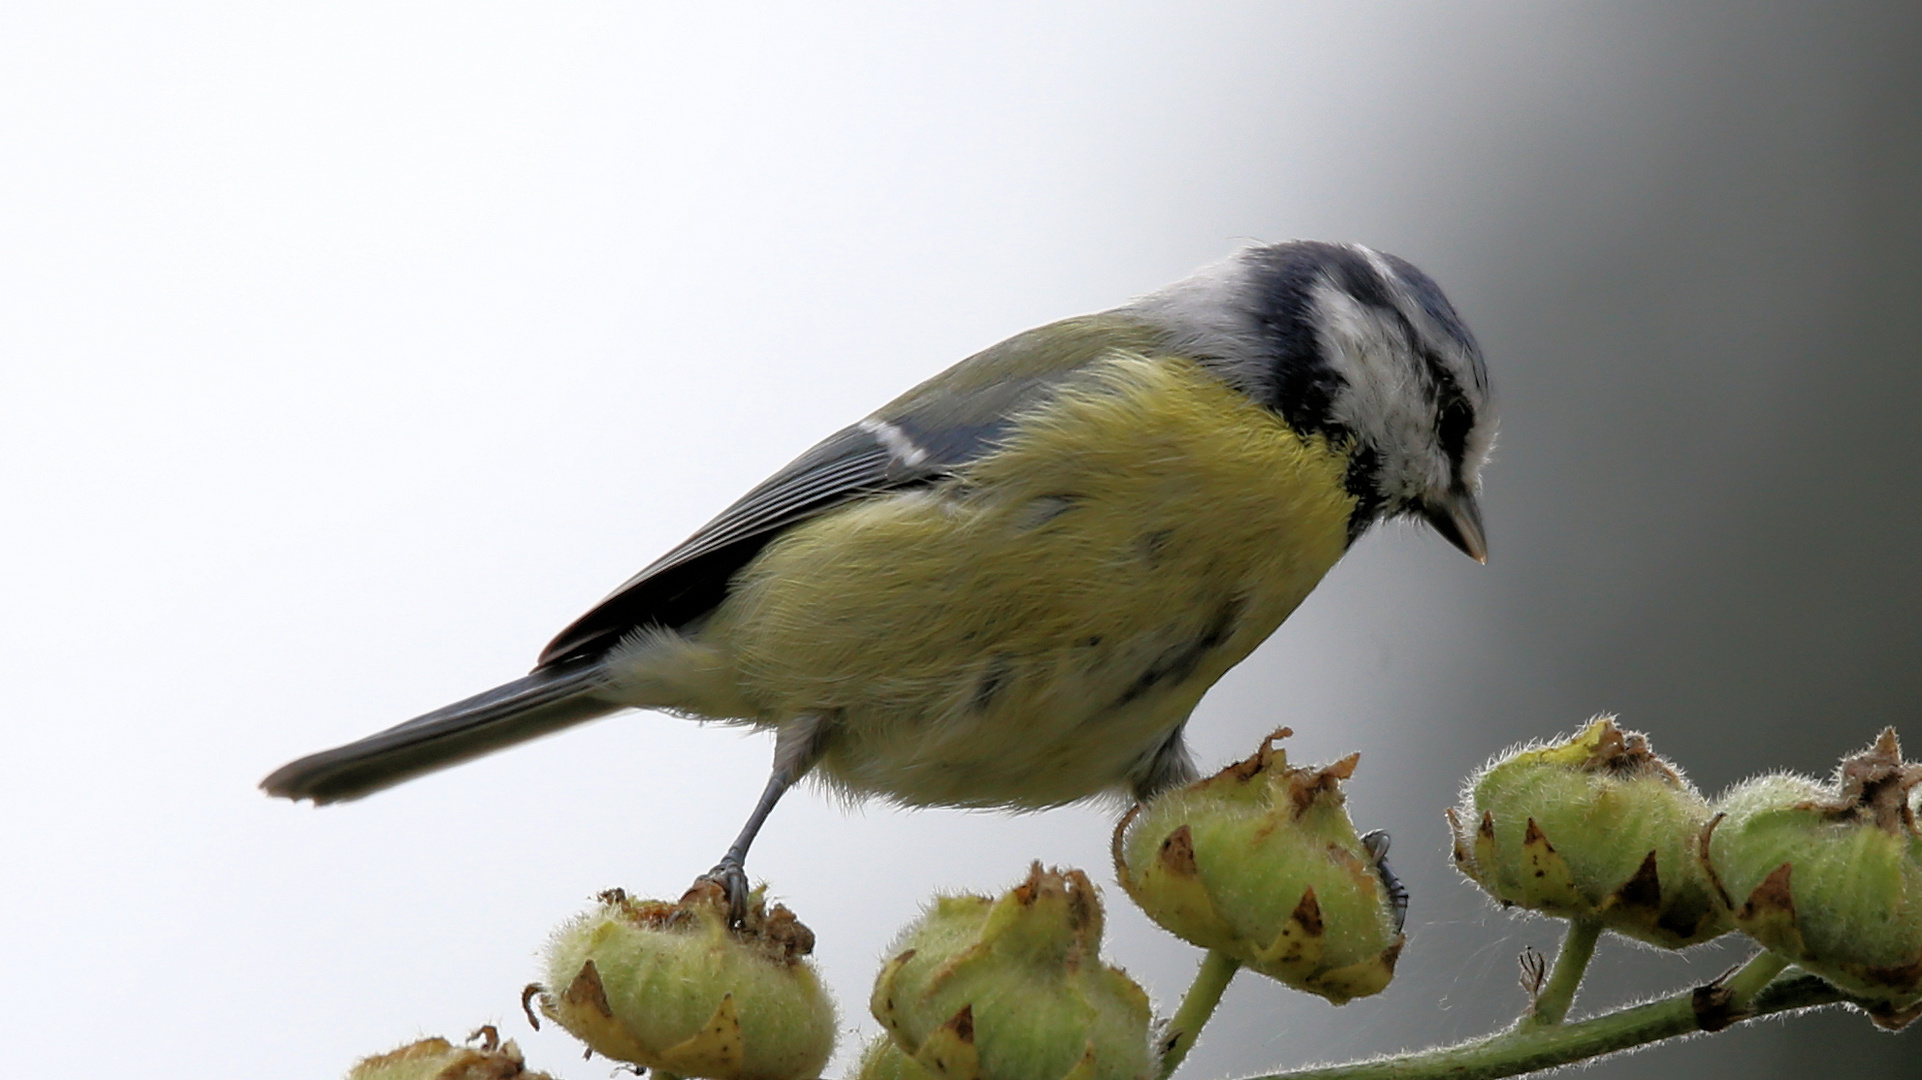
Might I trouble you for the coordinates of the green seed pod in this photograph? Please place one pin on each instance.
(438, 1059)
(1011, 989)
(1594, 827)
(883, 1060)
(675, 988)
(1261, 862)
(1830, 876)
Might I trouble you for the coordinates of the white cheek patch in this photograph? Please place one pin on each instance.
(1481, 439)
(1384, 398)
(895, 442)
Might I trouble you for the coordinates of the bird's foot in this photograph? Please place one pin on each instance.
(1376, 844)
(731, 878)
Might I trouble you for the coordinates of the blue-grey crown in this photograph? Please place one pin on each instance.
(1352, 344)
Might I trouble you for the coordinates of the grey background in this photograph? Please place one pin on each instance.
(350, 353)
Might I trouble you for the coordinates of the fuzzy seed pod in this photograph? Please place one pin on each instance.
(1011, 989)
(884, 1060)
(1830, 876)
(673, 987)
(438, 1059)
(1596, 826)
(1261, 862)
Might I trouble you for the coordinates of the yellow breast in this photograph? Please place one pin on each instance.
(1028, 632)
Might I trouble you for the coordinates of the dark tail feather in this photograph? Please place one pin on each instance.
(528, 708)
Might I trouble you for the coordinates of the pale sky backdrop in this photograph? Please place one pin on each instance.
(348, 351)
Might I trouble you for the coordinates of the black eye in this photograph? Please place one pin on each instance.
(1452, 426)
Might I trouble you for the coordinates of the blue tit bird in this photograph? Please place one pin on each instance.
(1010, 586)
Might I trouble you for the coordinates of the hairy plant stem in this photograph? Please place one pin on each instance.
(1551, 1004)
(1529, 1047)
(1197, 1005)
(1751, 978)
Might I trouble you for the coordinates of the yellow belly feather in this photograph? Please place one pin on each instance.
(1027, 633)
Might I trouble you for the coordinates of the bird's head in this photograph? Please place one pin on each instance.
(1359, 347)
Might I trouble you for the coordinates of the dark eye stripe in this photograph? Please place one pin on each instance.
(1303, 387)
(1353, 274)
(1454, 416)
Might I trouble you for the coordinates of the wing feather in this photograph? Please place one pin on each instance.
(935, 428)
(690, 580)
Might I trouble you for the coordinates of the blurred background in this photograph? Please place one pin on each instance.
(349, 351)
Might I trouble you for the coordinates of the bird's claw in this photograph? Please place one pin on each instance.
(731, 877)
(1376, 844)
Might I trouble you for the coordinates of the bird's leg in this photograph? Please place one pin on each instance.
(1169, 767)
(796, 748)
(1376, 844)
(731, 872)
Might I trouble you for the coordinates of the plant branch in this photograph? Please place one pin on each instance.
(1532, 1047)
(1752, 978)
(1551, 1005)
(1197, 1005)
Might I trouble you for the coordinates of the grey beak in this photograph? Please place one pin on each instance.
(1458, 517)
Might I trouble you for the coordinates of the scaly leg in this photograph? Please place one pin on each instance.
(796, 749)
(1376, 844)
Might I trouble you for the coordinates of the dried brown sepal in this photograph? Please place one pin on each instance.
(528, 994)
(1774, 898)
(1458, 845)
(1533, 973)
(1644, 890)
(438, 1059)
(1249, 767)
(1178, 853)
(1642, 899)
(586, 990)
(775, 932)
(1713, 1006)
(1702, 846)
(1875, 786)
(1308, 786)
(1626, 754)
(950, 1051)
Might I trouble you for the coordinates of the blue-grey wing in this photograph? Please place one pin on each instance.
(690, 580)
(925, 434)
